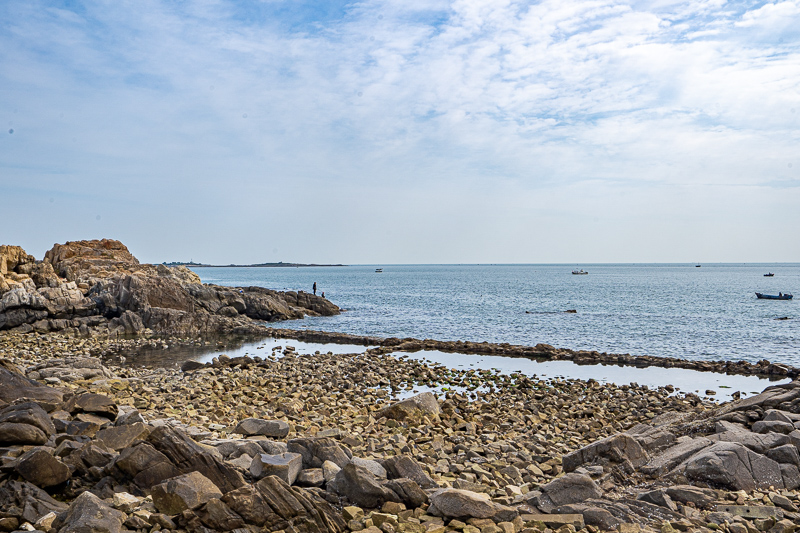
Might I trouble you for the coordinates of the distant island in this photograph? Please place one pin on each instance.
(273, 265)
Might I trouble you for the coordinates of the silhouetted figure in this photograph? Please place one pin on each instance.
(323, 294)
(315, 288)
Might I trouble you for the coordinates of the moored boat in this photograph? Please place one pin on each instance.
(779, 296)
(768, 275)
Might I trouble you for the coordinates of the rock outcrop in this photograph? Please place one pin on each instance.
(100, 286)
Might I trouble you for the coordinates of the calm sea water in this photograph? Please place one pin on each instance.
(671, 310)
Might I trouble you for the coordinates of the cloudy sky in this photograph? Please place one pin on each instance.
(403, 131)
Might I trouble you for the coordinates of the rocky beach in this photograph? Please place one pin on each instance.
(301, 442)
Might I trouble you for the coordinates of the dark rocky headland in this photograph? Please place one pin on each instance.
(317, 442)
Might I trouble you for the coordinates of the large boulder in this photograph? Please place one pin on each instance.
(316, 450)
(27, 502)
(734, 466)
(362, 488)
(274, 505)
(456, 503)
(570, 488)
(190, 456)
(276, 429)
(286, 466)
(14, 387)
(184, 492)
(42, 469)
(617, 450)
(89, 514)
(413, 408)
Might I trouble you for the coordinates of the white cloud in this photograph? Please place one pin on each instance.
(504, 102)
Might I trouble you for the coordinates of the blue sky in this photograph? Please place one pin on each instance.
(465, 131)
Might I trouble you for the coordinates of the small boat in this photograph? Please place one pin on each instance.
(769, 275)
(698, 266)
(378, 270)
(579, 272)
(779, 296)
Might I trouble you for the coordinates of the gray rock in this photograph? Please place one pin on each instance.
(413, 408)
(734, 466)
(658, 497)
(317, 450)
(119, 437)
(362, 488)
(26, 501)
(778, 426)
(184, 492)
(403, 466)
(311, 477)
(570, 488)
(410, 493)
(28, 413)
(89, 514)
(373, 466)
(672, 457)
(455, 503)
(620, 449)
(42, 469)
(286, 466)
(268, 428)
(785, 454)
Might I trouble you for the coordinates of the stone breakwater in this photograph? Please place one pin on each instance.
(99, 288)
(542, 352)
(318, 443)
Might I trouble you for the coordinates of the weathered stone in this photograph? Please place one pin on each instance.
(673, 456)
(27, 413)
(409, 492)
(735, 466)
(311, 477)
(189, 456)
(556, 520)
(403, 466)
(12, 433)
(658, 497)
(273, 504)
(317, 450)
(89, 514)
(119, 437)
(751, 511)
(620, 449)
(286, 466)
(362, 488)
(571, 488)
(96, 404)
(457, 503)
(14, 387)
(27, 502)
(41, 468)
(373, 466)
(269, 428)
(184, 492)
(413, 408)
(217, 516)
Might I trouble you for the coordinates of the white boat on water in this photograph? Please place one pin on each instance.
(579, 272)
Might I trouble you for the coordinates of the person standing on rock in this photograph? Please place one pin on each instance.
(314, 288)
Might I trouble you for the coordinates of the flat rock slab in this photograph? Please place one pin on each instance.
(751, 511)
(416, 407)
(268, 428)
(119, 437)
(286, 466)
(42, 469)
(672, 457)
(555, 521)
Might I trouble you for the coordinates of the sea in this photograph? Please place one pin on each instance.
(705, 312)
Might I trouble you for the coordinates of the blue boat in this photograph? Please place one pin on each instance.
(779, 296)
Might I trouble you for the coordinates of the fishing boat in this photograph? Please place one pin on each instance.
(379, 270)
(779, 296)
(579, 272)
(768, 275)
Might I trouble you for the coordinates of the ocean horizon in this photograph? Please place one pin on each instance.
(658, 309)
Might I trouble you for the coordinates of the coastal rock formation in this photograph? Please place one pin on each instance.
(99, 286)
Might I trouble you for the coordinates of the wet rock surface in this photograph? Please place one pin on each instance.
(125, 447)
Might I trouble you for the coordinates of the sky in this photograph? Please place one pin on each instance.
(403, 131)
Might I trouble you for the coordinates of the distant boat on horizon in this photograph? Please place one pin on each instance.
(579, 272)
(698, 266)
(769, 275)
(379, 270)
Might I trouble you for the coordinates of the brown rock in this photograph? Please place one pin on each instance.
(41, 468)
(184, 492)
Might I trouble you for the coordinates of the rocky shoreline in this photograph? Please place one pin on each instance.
(319, 442)
(294, 442)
